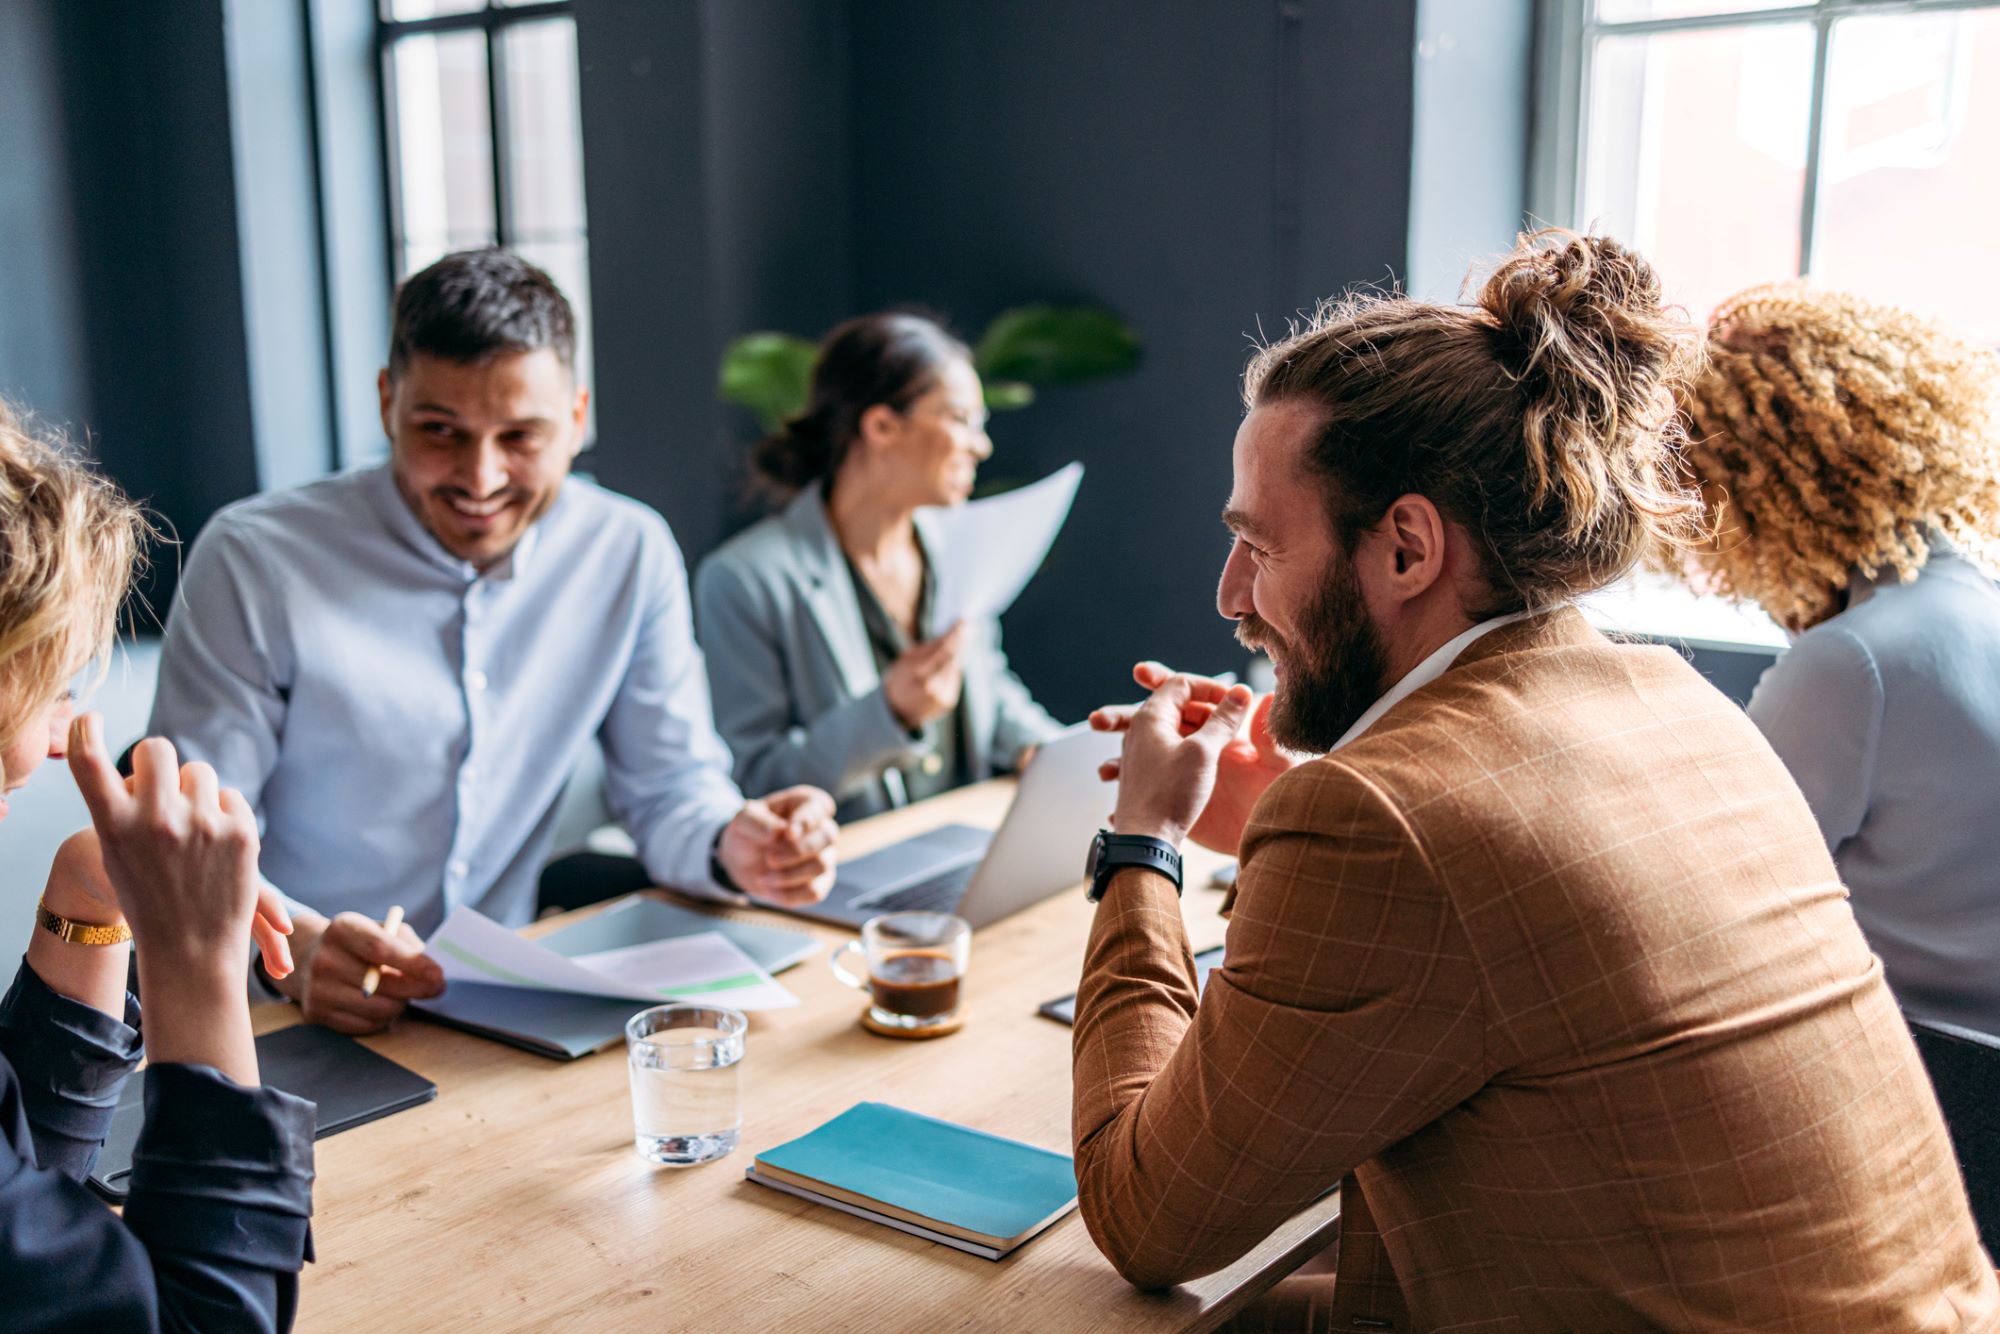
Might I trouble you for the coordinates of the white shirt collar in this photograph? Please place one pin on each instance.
(1425, 672)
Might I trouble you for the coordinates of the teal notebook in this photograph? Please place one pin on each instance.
(953, 1184)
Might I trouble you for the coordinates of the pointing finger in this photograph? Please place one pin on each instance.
(103, 789)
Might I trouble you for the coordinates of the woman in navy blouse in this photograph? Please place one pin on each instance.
(215, 1228)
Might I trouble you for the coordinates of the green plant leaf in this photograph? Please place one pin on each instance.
(768, 373)
(1006, 395)
(1056, 345)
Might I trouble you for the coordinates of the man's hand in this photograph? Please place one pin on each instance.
(780, 848)
(924, 682)
(1244, 768)
(1167, 769)
(334, 957)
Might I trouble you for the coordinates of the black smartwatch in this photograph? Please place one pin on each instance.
(1109, 852)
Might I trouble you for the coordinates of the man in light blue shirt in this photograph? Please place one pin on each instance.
(399, 667)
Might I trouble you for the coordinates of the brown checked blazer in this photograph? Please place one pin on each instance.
(1552, 961)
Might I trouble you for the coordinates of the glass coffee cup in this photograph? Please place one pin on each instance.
(914, 968)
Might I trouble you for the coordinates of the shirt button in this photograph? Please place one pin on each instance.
(460, 869)
(470, 773)
(475, 680)
(933, 763)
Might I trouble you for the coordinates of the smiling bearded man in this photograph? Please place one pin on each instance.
(1542, 963)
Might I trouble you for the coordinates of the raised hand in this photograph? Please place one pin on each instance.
(180, 852)
(1167, 770)
(1245, 766)
(924, 682)
(781, 848)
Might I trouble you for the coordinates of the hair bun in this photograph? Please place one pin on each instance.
(795, 456)
(1558, 283)
(1598, 356)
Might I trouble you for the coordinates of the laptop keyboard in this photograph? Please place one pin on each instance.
(939, 893)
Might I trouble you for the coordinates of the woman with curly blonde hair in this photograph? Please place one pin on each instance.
(214, 1229)
(1849, 455)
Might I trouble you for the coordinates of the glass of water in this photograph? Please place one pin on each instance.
(686, 1108)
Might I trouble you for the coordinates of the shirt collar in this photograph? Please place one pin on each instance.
(1425, 672)
(409, 529)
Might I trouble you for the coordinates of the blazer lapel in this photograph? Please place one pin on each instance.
(828, 591)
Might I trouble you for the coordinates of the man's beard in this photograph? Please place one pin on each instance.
(1333, 671)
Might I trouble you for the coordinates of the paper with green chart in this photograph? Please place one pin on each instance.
(706, 966)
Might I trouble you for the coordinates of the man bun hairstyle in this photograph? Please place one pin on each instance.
(1541, 418)
(891, 357)
(477, 304)
(69, 545)
(1831, 434)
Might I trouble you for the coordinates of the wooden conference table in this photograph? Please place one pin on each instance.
(515, 1200)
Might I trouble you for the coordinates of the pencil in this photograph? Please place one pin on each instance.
(373, 977)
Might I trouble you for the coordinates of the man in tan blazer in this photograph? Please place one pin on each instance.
(1543, 961)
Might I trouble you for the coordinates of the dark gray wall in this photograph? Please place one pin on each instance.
(146, 103)
(42, 360)
(716, 148)
(1203, 170)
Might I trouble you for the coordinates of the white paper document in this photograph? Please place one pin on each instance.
(706, 966)
(992, 547)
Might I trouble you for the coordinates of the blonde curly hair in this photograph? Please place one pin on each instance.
(69, 543)
(1829, 434)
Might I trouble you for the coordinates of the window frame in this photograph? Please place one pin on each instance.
(493, 19)
(1565, 46)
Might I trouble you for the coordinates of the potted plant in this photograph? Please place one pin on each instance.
(1024, 349)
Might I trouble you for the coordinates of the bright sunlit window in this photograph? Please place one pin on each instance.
(485, 137)
(1738, 142)
(1742, 141)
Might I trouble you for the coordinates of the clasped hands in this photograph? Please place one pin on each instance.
(1188, 770)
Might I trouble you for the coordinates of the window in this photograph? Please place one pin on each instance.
(1738, 142)
(485, 139)
(1743, 141)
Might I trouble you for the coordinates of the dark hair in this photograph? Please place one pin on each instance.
(1542, 418)
(477, 304)
(892, 357)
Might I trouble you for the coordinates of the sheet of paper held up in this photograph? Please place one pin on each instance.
(992, 547)
(706, 966)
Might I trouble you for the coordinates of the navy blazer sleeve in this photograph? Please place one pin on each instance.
(215, 1227)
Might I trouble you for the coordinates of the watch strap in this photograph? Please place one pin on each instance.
(1117, 851)
(80, 933)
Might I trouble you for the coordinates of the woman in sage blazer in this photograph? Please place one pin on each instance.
(823, 658)
(1850, 454)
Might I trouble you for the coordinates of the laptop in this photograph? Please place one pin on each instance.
(985, 875)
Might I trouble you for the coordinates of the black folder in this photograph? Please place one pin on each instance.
(351, 1084)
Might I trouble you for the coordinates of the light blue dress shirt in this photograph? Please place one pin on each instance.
(404, 724)
(1888, 715)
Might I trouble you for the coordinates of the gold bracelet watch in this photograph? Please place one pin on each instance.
(80, 933)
